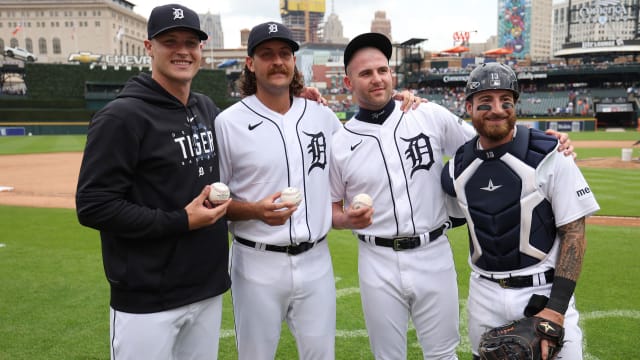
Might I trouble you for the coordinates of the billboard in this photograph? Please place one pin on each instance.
(602, 28)
(514, 28)
(609, 108)
(603, 12)
(302, 5)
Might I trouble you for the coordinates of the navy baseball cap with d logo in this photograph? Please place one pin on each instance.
(173, 16)
(270, 31)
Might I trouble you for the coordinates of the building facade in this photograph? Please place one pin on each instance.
(304, 18)
(380, 24)
(599, 29)
(332, 31)
(541, 30)
(212, 25)
(57, 31)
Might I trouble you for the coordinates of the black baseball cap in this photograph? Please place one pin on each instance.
(270, 31)
(173, 16)
(375, 40)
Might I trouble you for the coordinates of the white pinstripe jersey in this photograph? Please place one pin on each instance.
(398, 163)
(262, 152)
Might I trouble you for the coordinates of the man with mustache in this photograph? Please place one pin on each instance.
(525, 205)
(280, 262)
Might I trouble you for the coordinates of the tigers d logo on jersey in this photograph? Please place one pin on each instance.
(318, 149)
(420, 153)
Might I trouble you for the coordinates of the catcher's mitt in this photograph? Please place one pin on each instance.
(520, 340)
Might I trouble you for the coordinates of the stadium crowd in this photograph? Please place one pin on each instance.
(550, 100)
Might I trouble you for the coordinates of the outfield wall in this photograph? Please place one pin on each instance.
(561, 124)
(43, 128)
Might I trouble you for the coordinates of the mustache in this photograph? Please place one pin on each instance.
(278, 70)
(498, 116)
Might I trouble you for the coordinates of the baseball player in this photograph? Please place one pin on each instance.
(144, 180)
(280, 263)
(525, 206)
(405, 262)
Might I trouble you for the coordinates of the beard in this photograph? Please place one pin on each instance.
(494, 131)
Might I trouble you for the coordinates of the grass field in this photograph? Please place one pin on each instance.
(615, 190)
(41, 144)
(54, 296)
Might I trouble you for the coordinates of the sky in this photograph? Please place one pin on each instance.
(436, 21)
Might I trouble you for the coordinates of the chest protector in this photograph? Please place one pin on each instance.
(511, 223)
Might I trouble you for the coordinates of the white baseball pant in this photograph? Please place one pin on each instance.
(188, 332)
(417, 284)
(269, 287)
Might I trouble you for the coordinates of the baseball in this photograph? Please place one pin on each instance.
(219, 193)
(292, 195)
(361, 200)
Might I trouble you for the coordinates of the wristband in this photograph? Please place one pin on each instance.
(561, 292)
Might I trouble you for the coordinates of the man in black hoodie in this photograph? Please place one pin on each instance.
(150, 157)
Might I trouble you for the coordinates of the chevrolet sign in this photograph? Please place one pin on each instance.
(85, 58)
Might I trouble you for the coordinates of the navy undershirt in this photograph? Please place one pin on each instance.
(378, 116)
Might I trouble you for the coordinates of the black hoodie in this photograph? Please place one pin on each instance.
(147, 156)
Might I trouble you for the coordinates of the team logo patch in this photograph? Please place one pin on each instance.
(318, 149)
(178, 14)
(196, 146)
(419, 151)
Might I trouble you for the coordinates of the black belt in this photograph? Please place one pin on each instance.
(405, 243)
(289, 249)
(520, 281)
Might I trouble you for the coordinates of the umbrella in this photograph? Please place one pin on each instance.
(456, 50)
(499, 51)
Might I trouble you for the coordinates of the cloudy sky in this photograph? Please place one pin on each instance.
(430, 19)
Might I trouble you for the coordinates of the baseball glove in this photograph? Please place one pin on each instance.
(520, 340)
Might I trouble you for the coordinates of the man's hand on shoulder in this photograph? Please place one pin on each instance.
(409, 100)
(565, 143)
(312, 93)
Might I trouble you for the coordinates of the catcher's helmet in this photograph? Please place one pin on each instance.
(490, 76)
